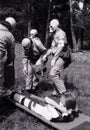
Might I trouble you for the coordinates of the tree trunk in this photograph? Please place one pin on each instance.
(81, 33)
(0, 4)
(29, 16)
(47, 25)
(80, 39)
(75, 47)
(72, 29)
(29, 27)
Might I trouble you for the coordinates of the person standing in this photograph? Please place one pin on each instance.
(58, 52)
(33, 50)
(7, 48)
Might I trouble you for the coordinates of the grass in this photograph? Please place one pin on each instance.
(13, 118)
(77, 75)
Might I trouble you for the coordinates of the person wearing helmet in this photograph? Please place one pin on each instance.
(7, 49)
(33, 33)
(58, 45)
(11, 21)
(33, 50)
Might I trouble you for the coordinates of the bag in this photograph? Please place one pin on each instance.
(66, 53)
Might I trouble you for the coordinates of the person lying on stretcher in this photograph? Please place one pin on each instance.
(65, 111)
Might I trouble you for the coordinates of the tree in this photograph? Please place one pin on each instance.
(47, 24)
(29, 16)
(59, 10)
(72, 30)
(78, 13)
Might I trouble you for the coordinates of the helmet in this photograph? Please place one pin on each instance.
(53, 25)
(33, 32)
(26, 42)
(12, 21)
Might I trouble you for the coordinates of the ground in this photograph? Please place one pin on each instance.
(77, 75)
(13, 118)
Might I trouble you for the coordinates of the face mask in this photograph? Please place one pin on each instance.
(51, 29)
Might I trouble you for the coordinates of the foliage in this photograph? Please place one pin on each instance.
(20, 30)
(61, 10)
(80, 19)
(80, 16)
(37, 12)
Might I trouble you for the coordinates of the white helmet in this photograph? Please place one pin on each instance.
(33, 32)
(12, 21)
(53, 25)
(26, 43)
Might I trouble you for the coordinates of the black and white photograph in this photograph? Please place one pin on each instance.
(44, 64)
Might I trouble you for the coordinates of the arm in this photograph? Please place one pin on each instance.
(49, 52)
(39, 45)
(58, 49)
(10, 51)
(55, 105)
(34, 97)
(39, 100)
(42, 49)
(25, 61)
(60, 40)
(10, 55)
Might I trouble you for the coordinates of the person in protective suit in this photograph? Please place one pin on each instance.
(7, 50)
(58, 51)
(33, 50)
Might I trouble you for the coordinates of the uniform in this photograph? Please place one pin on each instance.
(7, 49)
(58, 56)
(31, 57)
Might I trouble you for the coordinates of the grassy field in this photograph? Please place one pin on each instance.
(78, 76)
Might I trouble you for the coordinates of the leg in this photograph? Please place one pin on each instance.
(55, 76)
(1, 74)
(2, 64)
(29, 77)
(36, 69)
(35, 81)
(9, 75)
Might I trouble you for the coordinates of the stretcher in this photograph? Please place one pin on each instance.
(82, 122)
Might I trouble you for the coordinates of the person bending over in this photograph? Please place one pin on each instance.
(33, 50)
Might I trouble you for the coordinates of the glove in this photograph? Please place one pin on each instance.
(39, 62)
(53, 62)
(44, 58)
(25, 70)
(46, 99)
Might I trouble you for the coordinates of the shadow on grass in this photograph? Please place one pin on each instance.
(6, 108)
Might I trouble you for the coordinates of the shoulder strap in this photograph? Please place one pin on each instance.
(30, 40)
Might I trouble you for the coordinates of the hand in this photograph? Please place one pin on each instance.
(39, 62)
(25, 70)
(44, 58)
(53, 62)
(46, 99)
